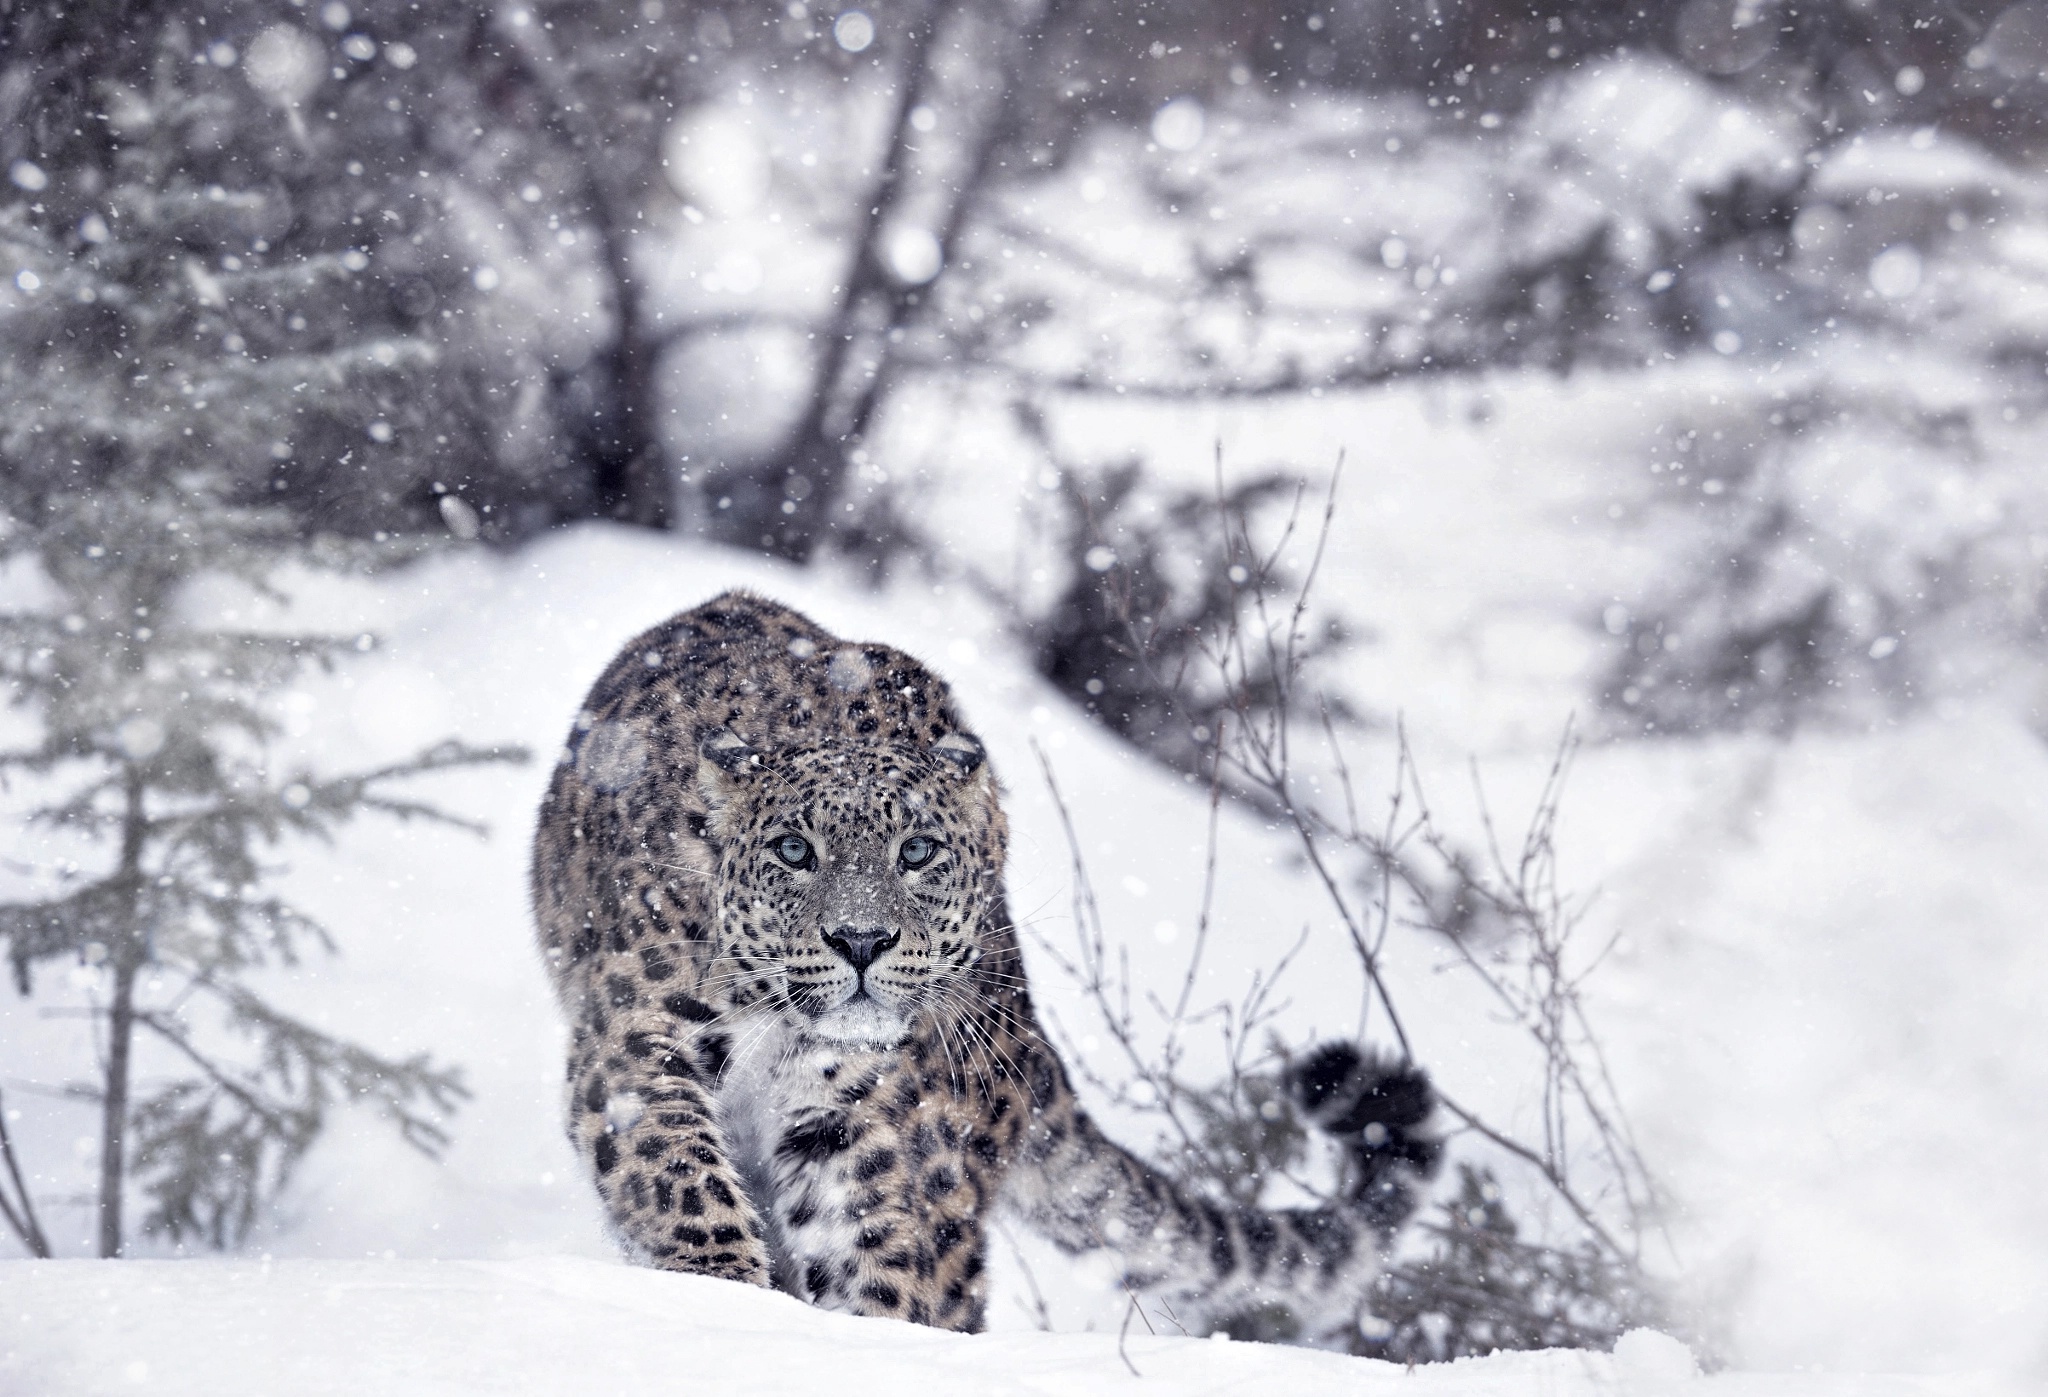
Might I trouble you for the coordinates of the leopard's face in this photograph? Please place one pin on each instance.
(850, 881)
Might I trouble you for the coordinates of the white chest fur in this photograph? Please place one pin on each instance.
(772, 1079)
(751, 1108)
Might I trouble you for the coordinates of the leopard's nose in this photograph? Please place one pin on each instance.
(859, 946)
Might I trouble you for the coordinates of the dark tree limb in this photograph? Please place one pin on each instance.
(613, 425)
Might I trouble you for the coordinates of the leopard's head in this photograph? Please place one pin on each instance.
(851, 879)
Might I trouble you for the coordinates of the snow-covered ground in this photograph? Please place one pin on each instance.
(1821, 1014)
(553, 1327)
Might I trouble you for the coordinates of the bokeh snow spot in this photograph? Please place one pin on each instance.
(1895, 272)
(915, 256)
(849, 670)
(613, 756)
(284, 64)
(140, 737)
(1178, 125)
(853, 31)
(717, 162)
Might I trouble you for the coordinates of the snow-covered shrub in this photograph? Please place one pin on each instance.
(1692, 187)
(1874, 557)
(1856, 528)
(1490, 910)
(1155, 580)
(1476, 1286)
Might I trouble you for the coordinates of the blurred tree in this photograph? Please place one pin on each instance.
(979, 71)
(155, 357)
(590, 93)
(371, 156)
(587, 91)
(501, 166)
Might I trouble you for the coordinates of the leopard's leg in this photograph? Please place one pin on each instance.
(881, 1195)
(641, 1112)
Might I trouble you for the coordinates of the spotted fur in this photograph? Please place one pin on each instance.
(802, 1049)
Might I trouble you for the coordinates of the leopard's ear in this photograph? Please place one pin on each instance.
(963, 750)
(724, 761)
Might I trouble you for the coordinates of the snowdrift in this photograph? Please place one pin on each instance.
(548, 1326)
(1822, 1015)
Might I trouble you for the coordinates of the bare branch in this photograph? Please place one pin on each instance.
(21, 1211)
(1523, 1152)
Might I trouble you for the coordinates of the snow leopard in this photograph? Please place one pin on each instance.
(768, 881)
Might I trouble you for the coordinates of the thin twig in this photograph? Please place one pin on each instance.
(1187, 985)
(1124, 1332)
(1037, 1310)
(21, 1214)
(1522, 892)
(1523, 1152)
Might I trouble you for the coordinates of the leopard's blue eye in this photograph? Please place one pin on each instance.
(917, 851)
(794, 850)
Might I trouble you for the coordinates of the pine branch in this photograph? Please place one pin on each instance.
(84, 809)
(278, 1119)
(38, 931)
(394, 1085)
(238, 916)
(339, 797)
(260, 1121)
(316, 806)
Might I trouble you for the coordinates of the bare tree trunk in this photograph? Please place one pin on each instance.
(114, 1107)
(612, 424)
(127, 957)
(785, 506)
(617, 435)
(999, 130)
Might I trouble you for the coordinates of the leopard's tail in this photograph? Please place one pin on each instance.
(1295, 1272)
(1377, 1109)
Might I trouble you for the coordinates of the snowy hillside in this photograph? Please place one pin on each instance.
(1826, 1056)
(551, 1328)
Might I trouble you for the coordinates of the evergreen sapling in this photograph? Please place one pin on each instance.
(154, 372)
